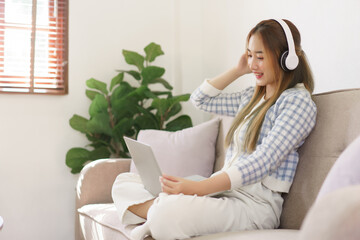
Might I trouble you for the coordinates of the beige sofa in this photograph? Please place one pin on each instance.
(338, 124)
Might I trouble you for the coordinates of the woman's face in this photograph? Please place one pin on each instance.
(259, 63)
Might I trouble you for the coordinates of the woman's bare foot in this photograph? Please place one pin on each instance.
(141, 209)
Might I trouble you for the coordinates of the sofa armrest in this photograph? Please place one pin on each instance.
(95, 183)
(96, 180)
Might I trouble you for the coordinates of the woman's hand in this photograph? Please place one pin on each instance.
(223, 80)
(242, 66)
(177, 185)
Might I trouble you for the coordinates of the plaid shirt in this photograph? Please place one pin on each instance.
(286, 125)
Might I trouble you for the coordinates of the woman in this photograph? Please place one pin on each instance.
(272, 121)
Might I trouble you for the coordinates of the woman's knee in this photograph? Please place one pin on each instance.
(164, 207)
(125, 182)
(167, 217)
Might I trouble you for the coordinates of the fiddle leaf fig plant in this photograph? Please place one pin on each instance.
(124, 108)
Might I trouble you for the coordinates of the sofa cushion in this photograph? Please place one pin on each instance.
(334, 216)
(270, 234)
(101, 221)
(190, 151)
(345, 171)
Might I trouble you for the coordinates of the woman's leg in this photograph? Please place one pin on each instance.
(141, 209)
(184, 216)
(128, 193)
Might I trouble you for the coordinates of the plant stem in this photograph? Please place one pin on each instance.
(163, 119)
(112, 124)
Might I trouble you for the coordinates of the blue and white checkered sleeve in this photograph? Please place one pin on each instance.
(296, 117)
(210, 99)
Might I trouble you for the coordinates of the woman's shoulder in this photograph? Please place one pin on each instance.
(298, 91)
(297, 95)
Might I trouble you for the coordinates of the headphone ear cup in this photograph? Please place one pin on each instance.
(283, 61)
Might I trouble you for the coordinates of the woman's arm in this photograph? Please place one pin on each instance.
(208, 96)
(176, 185)
(222, 81)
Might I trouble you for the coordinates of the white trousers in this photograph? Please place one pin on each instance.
(183, 216)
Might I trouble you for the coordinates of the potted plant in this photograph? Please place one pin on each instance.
(123, 109)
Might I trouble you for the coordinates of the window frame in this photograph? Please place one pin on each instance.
(64, 89)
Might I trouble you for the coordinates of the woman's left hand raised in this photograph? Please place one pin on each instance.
(177, 185)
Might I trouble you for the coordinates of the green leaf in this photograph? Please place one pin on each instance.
(139, 94)
(162, 105)
(121, 91)
(100, 123)
(76, 157)
(183, 121)
(98, 105)
(152, 51)
(98, 144)
(124, 108)
(91, 94)
(158, 93)
(133, 73)
(180, 98)
(133, 58)
(175, 109)
(78, 123)
(150, 73)
(116, 80)
(75, 170)
(99, 140)
(149, 94)
(123, 126)
(130, 132)
(96, 84)
(161, 81)
(99, 153)
(145, 122)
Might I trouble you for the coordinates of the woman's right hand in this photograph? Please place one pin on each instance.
(226, 78)
(242, 66)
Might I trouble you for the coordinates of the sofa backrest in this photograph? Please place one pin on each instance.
(336, 127)
(338, 124)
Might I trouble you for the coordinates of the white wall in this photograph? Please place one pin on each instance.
(200, 39)
(329, 34)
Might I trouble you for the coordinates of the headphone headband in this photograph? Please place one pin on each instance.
(289, 60)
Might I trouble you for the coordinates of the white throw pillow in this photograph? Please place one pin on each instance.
(345, 171)
(186, 152)
(335, 216)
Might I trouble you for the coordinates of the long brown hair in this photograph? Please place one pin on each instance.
(274, 41)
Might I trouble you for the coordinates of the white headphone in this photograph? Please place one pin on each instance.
(288, 60)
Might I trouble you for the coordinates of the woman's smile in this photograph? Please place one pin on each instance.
(258, 75)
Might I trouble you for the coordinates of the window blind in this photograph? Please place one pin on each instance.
(33, 46)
